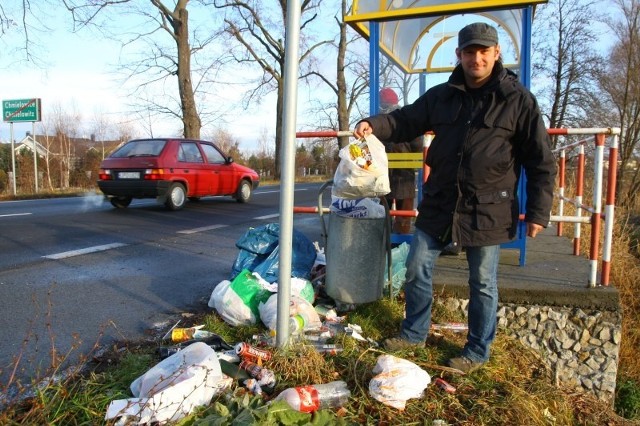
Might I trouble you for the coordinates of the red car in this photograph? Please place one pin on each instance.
(172, 171)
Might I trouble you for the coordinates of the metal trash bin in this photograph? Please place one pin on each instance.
(355, 255)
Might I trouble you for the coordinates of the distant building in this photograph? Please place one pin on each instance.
(28, 142)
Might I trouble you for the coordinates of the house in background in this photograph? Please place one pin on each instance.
(64, 161)
(27, 143)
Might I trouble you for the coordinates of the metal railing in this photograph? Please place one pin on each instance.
(596, 212)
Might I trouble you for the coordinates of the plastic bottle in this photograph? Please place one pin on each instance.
(179, 335)
(211, 339)
(218, 345)
(308, 399)
(297, 323)
(326, 348)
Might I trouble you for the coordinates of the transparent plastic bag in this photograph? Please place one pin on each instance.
(363, 170)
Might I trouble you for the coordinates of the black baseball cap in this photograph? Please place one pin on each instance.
(477, 33)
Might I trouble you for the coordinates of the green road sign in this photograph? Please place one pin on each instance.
(21, 110)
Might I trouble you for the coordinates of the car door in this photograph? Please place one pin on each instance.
(191, 168)
(223, 180)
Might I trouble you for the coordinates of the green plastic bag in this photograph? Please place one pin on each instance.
(249, 290)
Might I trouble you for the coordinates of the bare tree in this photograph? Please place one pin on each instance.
(229, 144)
(620, 82)
(392, 76)
(101, 128)
(350, 82)
(347, 95)
(65, 127)
(46, 129)
(565, 59)
(23, 22)
(160, 61)
(6, 21)
(258, 28)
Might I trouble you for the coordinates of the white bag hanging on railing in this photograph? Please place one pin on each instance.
(363, 170)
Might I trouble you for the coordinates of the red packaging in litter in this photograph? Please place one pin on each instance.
(444, 385)
(245, 350)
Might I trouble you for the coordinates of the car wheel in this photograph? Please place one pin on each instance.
(243, 194)
(176, 197)
(120, 202)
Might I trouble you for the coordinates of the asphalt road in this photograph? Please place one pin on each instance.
(75, 272)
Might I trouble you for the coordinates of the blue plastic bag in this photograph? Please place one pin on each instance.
(259, 252)
(398, 268)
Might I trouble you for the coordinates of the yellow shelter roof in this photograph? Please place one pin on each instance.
(421, 35)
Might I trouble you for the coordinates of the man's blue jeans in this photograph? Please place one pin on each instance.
(483, 293)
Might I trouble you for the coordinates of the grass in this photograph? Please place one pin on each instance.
(515, 387)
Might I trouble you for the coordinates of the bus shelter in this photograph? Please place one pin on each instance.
(420, 37)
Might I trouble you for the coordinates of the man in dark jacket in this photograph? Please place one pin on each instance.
(487, 127)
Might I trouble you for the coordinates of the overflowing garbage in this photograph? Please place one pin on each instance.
(196, 365)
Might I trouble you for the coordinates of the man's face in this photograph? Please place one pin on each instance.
(477, 63)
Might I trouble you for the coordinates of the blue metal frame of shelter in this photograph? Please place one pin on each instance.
(525, 77)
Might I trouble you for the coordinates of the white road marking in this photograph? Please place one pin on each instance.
(269, 216)
(87, 250)
(15, 214)
(204, 228)
(271, 192)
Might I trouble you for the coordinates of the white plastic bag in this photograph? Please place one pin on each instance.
(300, 287)
(297, 306)
(230, 306)
(171, 389)
(363, 170)
(360, 208)
(237, 301)
(397, 380)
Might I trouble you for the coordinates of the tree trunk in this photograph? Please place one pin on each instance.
(279, 121)
(343, 113)
(190, 118)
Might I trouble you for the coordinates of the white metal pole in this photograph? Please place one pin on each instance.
(35, 154)
(597, 209)
(13, 158)
(287, 178)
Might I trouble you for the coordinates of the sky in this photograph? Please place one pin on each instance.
(78, 75)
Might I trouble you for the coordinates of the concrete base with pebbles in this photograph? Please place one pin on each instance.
(547, 305)
(579, 346)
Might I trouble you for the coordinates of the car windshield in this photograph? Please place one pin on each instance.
(140, 148)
